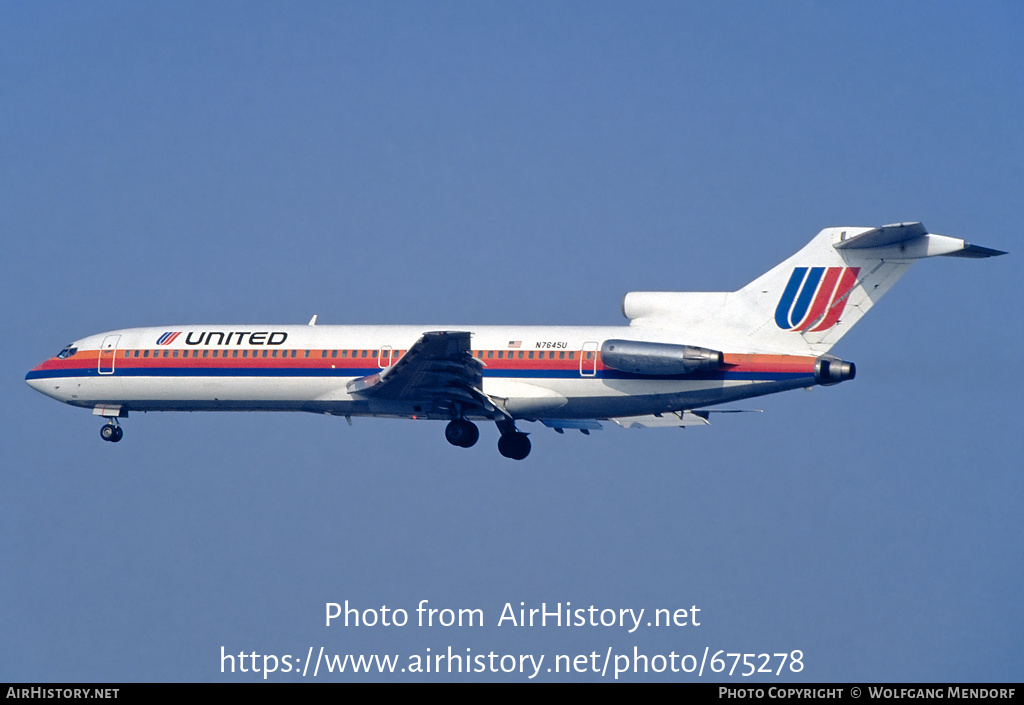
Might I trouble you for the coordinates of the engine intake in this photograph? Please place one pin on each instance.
(831, 370)
(658, 358)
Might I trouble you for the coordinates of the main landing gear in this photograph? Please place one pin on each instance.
(111, 432)
(513, 443)
(462, 433)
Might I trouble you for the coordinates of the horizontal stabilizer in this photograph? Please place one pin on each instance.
(912, 241)
(975, 252)
(882, 237)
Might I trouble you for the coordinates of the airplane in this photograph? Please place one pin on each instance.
(681, 353)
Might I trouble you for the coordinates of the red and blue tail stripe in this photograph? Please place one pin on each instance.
(815, 296)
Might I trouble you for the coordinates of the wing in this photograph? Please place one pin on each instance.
(437, 370)
(682, 419)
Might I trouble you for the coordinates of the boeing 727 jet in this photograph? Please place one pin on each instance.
(681, 354)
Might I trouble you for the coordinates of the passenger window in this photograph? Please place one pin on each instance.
(145, 353)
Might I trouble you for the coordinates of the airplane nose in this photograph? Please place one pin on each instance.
(49, 386)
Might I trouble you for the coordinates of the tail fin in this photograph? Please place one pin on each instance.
(806, 304)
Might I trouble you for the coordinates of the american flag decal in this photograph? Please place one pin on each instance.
(515, 343)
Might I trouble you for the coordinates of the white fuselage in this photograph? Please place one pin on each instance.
(534, 372)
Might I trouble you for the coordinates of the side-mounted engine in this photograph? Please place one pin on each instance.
(658, 358)
(829, 370)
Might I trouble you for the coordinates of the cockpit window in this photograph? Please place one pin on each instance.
(66, 352)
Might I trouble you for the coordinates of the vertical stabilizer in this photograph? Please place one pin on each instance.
(809, 301)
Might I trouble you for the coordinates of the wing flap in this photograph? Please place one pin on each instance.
(680, 419)
(580, 424)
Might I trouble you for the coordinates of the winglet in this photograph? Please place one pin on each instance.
(312, 321)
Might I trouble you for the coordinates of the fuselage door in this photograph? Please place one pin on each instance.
(384, 357)
(108, 350)
(588, 358)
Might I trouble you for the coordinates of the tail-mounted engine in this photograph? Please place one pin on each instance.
(829, 370)
(658, 358)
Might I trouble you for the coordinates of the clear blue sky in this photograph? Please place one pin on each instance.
(510, 163)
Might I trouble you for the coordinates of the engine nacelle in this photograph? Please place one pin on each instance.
(658, 358)
(829, 370)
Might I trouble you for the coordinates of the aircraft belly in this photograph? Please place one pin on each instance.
(582, 397)
(591, 399)
(205, 393)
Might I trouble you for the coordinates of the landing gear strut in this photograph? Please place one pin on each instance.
(461, 432)
(111, 432)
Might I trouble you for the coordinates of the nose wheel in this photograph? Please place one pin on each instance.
(111, 432)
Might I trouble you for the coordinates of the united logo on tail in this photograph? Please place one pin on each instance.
(815, 296)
